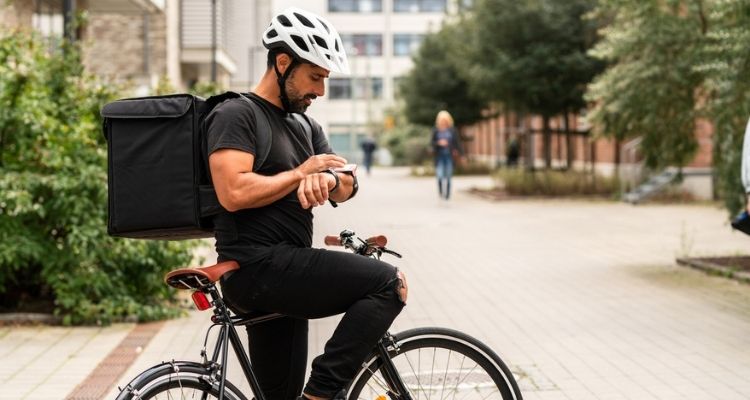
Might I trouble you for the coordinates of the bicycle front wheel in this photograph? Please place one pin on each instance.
(178, 380)
(437, 364)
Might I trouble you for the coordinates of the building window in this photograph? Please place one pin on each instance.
(342, 88)
(339, 88)
(419, 5)
(405, 44)
(363, 45)
(362, 6)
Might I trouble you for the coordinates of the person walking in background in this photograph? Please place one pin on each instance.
(512, 153)
(368, 148)
(445, 145)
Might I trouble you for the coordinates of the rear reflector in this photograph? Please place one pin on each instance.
(200, 300)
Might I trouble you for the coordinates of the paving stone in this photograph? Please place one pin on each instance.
(582, 299)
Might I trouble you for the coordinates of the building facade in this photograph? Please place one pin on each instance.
(380, 37)
(144, 41)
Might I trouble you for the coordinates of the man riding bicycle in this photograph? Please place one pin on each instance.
(267, 225)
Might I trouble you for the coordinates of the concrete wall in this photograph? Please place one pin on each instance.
(16, 14)
(127, 47)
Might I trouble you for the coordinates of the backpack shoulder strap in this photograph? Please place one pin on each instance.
(263, 136)
(307, 127)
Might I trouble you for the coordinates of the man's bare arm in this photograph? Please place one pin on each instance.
(238, 187)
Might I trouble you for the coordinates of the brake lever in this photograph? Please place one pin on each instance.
(391, 252)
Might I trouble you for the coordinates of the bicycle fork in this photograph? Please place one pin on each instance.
(396, 388)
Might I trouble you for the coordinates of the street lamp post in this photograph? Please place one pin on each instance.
(69, 9)
(213, 41)
(352, 85)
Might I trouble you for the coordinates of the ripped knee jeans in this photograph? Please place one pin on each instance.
(305, 283)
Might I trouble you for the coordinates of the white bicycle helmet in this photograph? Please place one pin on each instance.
(308, 37)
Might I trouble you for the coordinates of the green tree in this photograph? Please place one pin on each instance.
(53, 196)
(650, 89)
(726, 63)
(531, 56)
(437, 81)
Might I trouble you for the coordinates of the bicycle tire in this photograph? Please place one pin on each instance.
(177, 380)
(490, 378)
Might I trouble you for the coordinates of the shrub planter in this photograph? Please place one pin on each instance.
(737, 267)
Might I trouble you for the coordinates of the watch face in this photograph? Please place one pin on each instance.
(348, 168)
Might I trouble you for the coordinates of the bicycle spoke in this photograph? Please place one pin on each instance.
(432, 370)
(383, 385)
(467, 375)
(416, 374)
(460, 369)
(445, 377)
(490, 393)
(419, 368)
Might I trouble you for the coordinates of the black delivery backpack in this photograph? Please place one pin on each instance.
(159, 181)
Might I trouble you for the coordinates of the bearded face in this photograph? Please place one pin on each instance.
(298, 101)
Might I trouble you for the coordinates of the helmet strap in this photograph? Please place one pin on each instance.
(281, 80)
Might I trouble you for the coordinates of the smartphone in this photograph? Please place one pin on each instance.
(348, 168)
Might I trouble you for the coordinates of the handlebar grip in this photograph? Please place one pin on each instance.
(331, 240)
(377, 241)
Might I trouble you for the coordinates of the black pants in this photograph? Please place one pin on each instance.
(305, 283)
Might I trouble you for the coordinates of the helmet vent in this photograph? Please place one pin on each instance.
(300, 42)
(337, 44)
(319, 40)
(306, 22)
(284, 21)
(272, 34)
(324, 25)
(328, 56)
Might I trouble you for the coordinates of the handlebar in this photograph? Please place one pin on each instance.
(374, 246)
(375, 241)
(331, 240)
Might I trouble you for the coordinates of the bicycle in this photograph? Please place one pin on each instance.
(411, 365)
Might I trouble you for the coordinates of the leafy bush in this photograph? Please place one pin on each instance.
(206, 89)
(53, 196)
(409, 144)
(556, 183)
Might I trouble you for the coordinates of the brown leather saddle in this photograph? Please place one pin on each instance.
(199, 278)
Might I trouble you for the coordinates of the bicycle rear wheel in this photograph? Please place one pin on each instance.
(438, 364)
(178, 380)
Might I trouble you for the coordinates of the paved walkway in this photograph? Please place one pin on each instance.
(582, 299)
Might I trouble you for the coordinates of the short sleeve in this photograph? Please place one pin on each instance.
(231, 125)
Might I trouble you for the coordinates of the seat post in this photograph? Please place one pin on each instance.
(221, 312)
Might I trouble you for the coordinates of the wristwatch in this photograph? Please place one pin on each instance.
(336, 177)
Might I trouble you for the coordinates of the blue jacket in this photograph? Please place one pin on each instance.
(454, 144)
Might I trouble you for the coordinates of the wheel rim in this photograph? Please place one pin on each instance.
(438, 372)
(183, 387)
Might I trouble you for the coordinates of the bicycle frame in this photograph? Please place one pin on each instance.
(228, 334)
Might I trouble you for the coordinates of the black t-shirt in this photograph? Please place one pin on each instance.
(232, 125)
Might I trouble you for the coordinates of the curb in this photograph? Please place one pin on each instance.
(715, 269)
(15, 319)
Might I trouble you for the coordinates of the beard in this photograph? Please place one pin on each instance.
(297, 101)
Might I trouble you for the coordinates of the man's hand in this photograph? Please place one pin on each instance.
(314, 188)
(320, 163)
